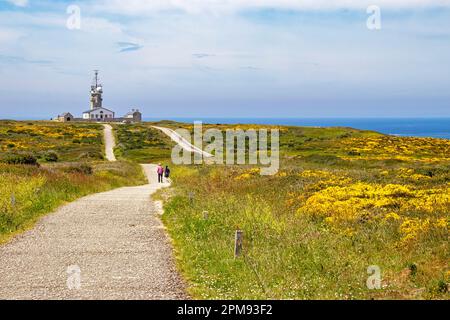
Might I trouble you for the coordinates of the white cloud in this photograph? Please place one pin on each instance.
(100, 25)
(137, 7)
(19, 3)
(8, 35)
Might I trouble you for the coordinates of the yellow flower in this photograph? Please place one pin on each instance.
(244, 176)
(441, 223)
(392, 216)
(248, 174)
(348, 232)
(412, 228)
(329, 220)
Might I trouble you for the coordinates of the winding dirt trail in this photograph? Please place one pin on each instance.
(110, 245)
(182, 142)
(110, 143)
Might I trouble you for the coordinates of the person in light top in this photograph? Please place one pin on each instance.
(160, 171)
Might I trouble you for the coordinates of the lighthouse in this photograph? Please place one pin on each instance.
(97, 111)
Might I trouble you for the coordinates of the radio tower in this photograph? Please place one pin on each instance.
(96, 93)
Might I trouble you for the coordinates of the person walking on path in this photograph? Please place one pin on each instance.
(167, 174)
(160, 171)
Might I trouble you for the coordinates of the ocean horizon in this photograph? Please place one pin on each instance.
(405, 127)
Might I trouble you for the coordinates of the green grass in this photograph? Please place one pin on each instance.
(142, 144)
(291, 249)
(28, 192)
(291, 252)
(71, 142)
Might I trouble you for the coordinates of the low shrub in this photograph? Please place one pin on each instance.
(51, 156)
(324, 159)
(82, 168)
(91, 155)
(26, 159)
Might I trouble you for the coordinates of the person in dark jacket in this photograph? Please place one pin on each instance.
(167, 174)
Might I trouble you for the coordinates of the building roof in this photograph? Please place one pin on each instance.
(131, 113)
(89, 111)
(65, 114)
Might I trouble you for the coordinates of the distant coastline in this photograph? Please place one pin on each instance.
(405, 127)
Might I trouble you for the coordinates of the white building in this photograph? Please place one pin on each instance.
(134, 116)
(99, 114)
(65, 117)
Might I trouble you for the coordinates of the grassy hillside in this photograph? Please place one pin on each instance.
(45, 164)
(71, 142)
(343, 200)
(142, 144)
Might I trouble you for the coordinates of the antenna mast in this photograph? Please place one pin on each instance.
(96, 93)
(96, 78)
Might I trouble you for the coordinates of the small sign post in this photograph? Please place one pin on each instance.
(238, 243)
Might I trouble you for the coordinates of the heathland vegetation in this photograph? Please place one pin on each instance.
(142, 143)
(45, 164)
(343, 200)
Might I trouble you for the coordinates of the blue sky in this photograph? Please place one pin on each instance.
(227, 58)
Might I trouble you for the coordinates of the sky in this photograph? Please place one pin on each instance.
(226, 58)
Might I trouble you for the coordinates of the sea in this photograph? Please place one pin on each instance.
(405, 127)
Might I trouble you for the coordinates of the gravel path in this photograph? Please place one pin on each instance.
(110, 143)
(183, 143)
(109, 245)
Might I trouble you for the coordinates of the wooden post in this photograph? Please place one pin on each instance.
(191, 197)
(205, 215)
(13, 200)
(238, 243)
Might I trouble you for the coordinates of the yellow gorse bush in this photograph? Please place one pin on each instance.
(315, 174)
(349, 202)
(391, 216)
(412, 228)
(323, 177)
(248, 174)
(316, 180)
(43, 136)
(426, 150)
(410, 174)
